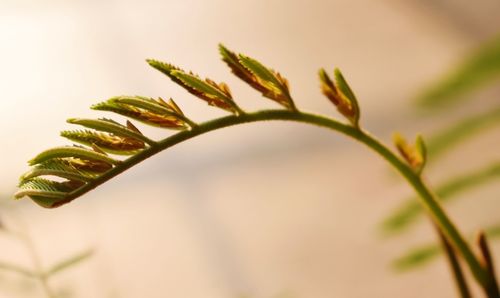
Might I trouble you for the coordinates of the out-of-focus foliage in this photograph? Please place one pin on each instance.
(407, 214)
(480, 69)
(35, 273)
(476, 70)
(445, 140)
(424, 254)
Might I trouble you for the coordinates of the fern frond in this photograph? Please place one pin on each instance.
(105, 141)
(214, 94)
(50, 193)
(270, 83)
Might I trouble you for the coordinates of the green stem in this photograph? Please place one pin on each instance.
(428, 198)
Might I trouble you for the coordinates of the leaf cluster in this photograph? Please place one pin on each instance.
(61, 174)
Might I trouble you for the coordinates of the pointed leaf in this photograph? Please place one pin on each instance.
(141, 115)
(107, 142)
(344, 105)
(239, 70)
(76, 152)
(414, 155)
(47, 193)
(275, 86)
(165, 68)
(110, 126)
(344, 88)
(263, 73)
(271, 84)
(149, 104)
(421, 152)
(61, 168)
(215, 94)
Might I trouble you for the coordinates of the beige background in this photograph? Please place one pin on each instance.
(260, 210)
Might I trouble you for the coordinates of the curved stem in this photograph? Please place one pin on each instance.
(428, 198)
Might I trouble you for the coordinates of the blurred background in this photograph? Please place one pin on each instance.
(262, 210)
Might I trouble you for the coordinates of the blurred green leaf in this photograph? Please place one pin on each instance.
(479, 68)
(448, 138)
(404, 216)
(17, 269)
(424, 254)
(417, 257)
(70, 262)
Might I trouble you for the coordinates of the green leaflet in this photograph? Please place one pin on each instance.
(165, 68)
(275, 85)
(421, 149)
(209, 89)
(241, 71)
(47, 193)
(217, 95)
(60, 168)
(154, 106)
(76, 152)
(459, 132)
(238, 69)
(404, 216)
(262, 72)
(270, 83)
(415, 155)
(478, 69)
(105, 141)
(343, 86)
(111, 126)
(144, 116)
(346, 104)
